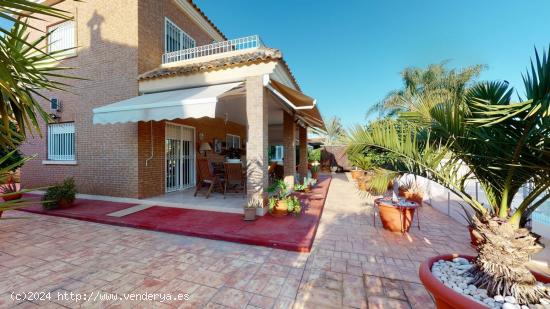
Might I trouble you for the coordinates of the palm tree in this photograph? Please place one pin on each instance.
(25, 70)
(505, 145)
(335, 133)
(435, 79)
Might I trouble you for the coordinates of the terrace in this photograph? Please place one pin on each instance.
(212, 51)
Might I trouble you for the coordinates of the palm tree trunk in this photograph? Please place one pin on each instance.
(501, 263)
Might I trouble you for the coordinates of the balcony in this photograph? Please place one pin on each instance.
(230, 46)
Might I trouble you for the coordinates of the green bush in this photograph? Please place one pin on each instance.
(314, 155)
(65, 192)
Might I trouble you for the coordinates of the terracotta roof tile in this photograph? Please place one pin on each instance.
(262, 54)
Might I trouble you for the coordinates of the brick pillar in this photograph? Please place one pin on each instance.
(302, 139)
(289, 144)
(257, 142)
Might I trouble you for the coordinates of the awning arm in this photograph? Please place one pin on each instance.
(267, 84)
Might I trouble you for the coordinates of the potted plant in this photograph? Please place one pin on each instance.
(233, 155)
(465, 134)
(315, 166)
(412, 192)
(9, 190)
(60, 196)
(302, 187)
(250, 208)
(361, 163)
(282, 202)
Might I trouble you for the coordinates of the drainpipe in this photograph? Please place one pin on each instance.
(151, 134)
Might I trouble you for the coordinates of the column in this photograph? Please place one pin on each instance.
(257, 138)
(289, 145)
(302, 139)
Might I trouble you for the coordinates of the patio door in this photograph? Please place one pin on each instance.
(180, 157)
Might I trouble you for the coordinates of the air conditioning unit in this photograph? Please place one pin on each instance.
(55, 105)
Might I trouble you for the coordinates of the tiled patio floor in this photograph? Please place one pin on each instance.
(352, 264)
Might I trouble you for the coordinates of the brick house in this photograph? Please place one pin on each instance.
(160, 81)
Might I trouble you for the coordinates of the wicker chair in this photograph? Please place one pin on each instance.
(234, 178)
(206, 176)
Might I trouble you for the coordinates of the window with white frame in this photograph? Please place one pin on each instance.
(175, 39)
(279, 153)
(232, 141)
(61, 141)
(62, 36)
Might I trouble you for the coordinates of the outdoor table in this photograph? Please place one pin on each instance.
(404, 211)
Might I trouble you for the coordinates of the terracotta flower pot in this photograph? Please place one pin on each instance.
(64, 203)
(355, 174)
(396, 219)
(447, 298)
(12, 197)
(362, 184)
(315, 175)
(280, 209)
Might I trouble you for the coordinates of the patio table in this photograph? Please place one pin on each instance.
(405, 208)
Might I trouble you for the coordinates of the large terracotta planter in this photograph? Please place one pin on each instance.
(447, 298)
(396, 219)
(12, 197)
(355, 174)
(280, 209)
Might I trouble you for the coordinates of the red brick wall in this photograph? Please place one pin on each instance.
(118, 40)
(151, 177)
(151, 30)
(107, 58)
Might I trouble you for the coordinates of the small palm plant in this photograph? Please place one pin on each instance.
(504, 146)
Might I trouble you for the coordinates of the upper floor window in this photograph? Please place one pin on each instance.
(233, 141)
(62, 36)
(175, 39)
(61, 141)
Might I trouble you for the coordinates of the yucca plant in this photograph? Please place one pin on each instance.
(504, 146)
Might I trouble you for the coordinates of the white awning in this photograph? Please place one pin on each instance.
(187, 103)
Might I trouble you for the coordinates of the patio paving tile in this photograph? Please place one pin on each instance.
(352, 264)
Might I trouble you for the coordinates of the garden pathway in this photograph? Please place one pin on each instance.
(352, 263)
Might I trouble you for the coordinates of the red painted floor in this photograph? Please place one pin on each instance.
(289, 233)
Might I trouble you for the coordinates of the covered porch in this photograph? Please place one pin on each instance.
(183, 119)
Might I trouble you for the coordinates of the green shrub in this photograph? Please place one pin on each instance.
(314, 155)
(65, 192)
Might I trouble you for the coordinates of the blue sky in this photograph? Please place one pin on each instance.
(348, 54)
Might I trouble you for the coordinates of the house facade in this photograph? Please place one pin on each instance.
(160, 81)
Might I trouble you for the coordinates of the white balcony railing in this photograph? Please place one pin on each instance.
(248, 42)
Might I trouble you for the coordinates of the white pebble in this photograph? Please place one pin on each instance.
(544, 301)
(510, 306)
(510, 299)
(499, 298)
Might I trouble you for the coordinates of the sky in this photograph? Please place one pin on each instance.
(348, 54)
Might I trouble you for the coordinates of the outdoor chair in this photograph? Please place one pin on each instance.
(234, 178)
(207, 177)
(271, 171)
